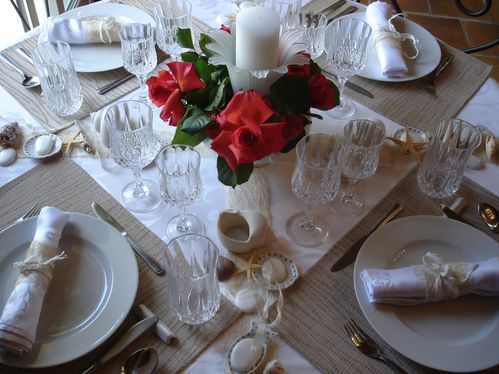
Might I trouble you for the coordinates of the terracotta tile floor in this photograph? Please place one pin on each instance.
(445, 21)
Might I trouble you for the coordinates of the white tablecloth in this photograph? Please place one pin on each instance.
(482, 109)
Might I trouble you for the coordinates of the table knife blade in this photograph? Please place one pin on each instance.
(449, 213)
(106, 217)
(128, 338)
(350, 255)
(351, 85)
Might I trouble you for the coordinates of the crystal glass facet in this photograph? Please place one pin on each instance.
(171, 15)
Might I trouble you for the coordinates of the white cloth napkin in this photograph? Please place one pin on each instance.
(388, 50)
(81, 30)
(432, 281)
(21, 313)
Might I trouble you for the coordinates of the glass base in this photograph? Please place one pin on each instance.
(143, 204)
(345, 110)
(351, 206)
(305, 235)
(191, 225)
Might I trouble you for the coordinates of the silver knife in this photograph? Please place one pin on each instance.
(106, 217)
(351, 85)
(110, 86)
(128, 338)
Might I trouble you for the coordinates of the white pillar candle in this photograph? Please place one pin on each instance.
(257, 38)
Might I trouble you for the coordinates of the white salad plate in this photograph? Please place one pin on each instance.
(88, 58)
(424, 64)
(90, 294)
(458, 335)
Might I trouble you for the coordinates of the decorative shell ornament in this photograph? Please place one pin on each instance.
(274, 367)
(242, 230)
(488, 150)
(224, 53)
(9, 134)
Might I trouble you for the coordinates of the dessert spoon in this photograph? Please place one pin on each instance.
(143, 361)
(489, 215)
(28, 81)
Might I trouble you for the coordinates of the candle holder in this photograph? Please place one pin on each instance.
(224, 53)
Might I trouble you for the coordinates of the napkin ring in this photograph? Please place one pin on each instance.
(391, 35)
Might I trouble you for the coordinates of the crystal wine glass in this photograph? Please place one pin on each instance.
(171, 15)
(362, 141)
(313, 26)
(138, 53)
(180, 185)
(134, 145)
(346, 41)
(316, 180)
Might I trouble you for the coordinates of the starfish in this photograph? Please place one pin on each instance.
(247, 266)
(408, 145)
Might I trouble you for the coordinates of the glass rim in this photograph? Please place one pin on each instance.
(144, 38)
(383, 131)
(446, 122)
(161, 152)
(337, 150)
(124, 102)
(60, 57)
(159, 6)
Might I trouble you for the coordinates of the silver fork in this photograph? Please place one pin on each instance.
(430, 84)
(368, 346)
(33, 211)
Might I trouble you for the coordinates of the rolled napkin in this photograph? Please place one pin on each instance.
(21, 313)
(432, 281)
(83, 30)
(387, 41)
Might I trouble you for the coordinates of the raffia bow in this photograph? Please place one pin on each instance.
(391, 35)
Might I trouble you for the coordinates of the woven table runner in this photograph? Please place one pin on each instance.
(405, 102)
(65, 185)
(320, 302)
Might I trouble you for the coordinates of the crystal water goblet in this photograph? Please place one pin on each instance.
(316, 180)
(362, 141)
(180, 185)
(288, 11)
(138, 53)
(313, 26)
(171, 15)
(346, 49)
(134, 145)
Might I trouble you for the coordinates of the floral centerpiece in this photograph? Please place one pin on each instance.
(244, 126)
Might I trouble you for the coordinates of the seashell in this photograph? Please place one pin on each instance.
(242, 230)
(274, 367)
(245, 300)
(492, 149)
(44, 145)
(225, 268)
(7, 156)
(8, 134)
(475, 163)
(274, 270)
(245, 355)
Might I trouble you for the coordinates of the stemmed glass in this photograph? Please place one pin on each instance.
(313, 26)
(346, 40)
(316, 180)
(180, 185)
(138, 53)
(171, 15)
(362, 141)
(134, 145)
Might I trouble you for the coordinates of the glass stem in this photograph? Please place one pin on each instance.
(183, 223)
(143, 88)
(139, 190)
(341, 87)
(348, 194)
(308, 223)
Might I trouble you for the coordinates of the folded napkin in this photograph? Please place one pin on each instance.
(387, 41)
(82, 30)
(21, 313)
(431, 281)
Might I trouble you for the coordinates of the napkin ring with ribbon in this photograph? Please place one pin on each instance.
(391, 35)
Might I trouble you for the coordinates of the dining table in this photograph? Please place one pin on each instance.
(310, 337)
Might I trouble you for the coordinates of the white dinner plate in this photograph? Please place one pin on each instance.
(89, 58)
(458, 335)
(425, 63)
(90, 294)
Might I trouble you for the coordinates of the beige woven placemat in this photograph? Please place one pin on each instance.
(320, 302)
(405, 102)
(65, 185)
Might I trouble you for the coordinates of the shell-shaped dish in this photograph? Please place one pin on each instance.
(291, 272)
(416, 135)
(30, 151)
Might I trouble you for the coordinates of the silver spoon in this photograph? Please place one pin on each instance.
(143, 361)
(490, 216)
(28, 81)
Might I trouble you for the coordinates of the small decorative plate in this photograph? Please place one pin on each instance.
(417, 136)
(29, 147)
(291, 272)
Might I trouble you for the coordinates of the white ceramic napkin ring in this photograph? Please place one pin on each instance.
(391, 34)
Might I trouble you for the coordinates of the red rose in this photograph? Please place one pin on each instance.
(299, 70)
(244, 137)
(186, 76)
(321, 92)
(294, 126)
(161, 87)
(173, 109)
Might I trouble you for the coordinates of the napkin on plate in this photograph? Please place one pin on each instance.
(431, 281)
(82, 30)
(19, 319)
(386, 43)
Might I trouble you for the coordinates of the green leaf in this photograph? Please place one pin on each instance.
(190, 56)
(184, 38)
(289, 95)
(314, 68)
(204, 70)
(220, 95)
(336, 94)
(194, 120)
(230, 178)
(203, 40)
(181, 137)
